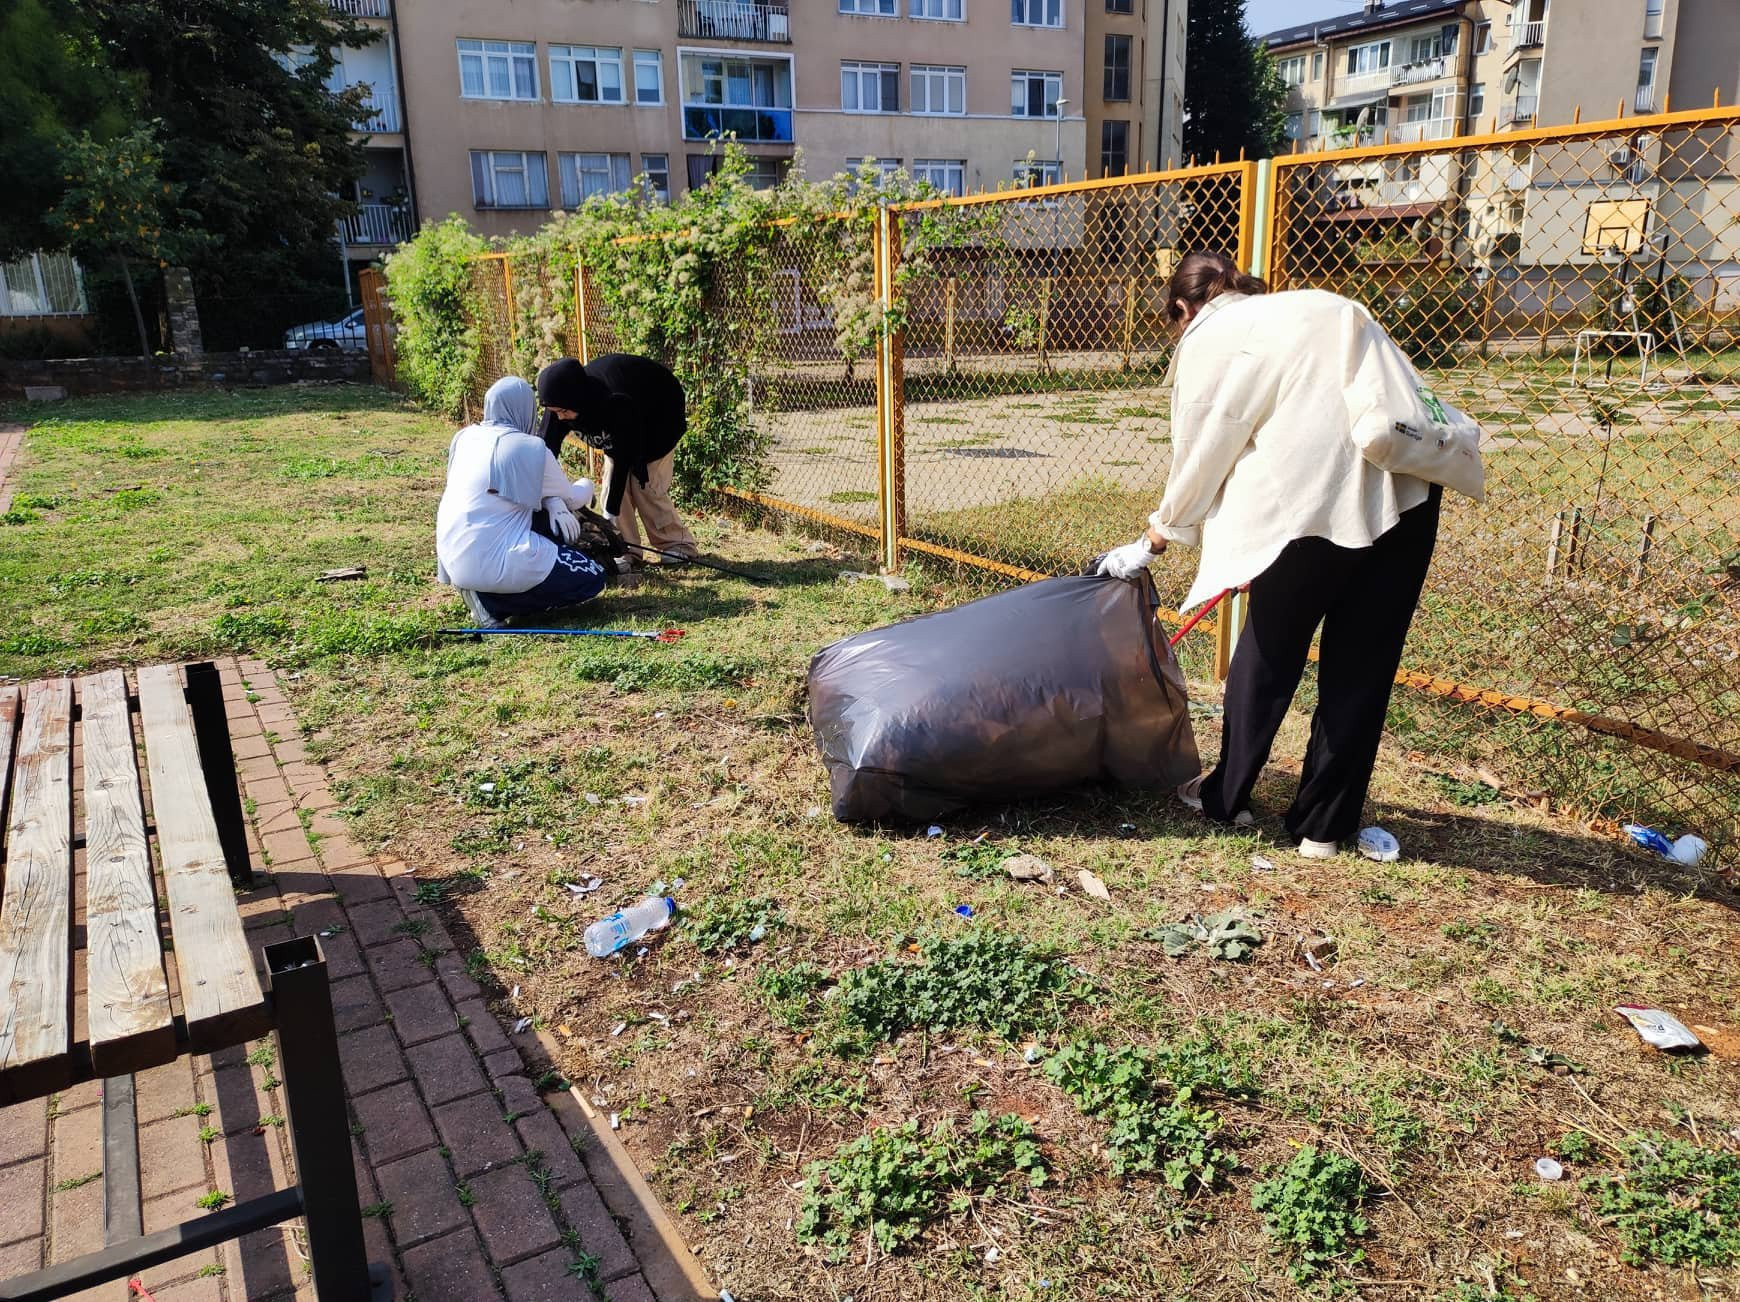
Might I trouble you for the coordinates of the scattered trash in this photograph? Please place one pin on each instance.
(486, 787)
(1540, 1056)
(814, 811)
(1029, 868)
(991, 1255)
(330, 932)
(592, 798)
(616, 1121)
(635, 800)
(625, 926)
(1031, 1053)
(1092, 885)
(1226, 935)
(933, 831)
(965, 910)
(619, 1028)
(1663, 1030)
(1356, 983)
(521, 1025)
(1128, 829)
(889, 581)
(1261, 864)
(339, 575)
(1375, 843)
(585, 886)
(1548, 1169)
(1690, 850)
(515, 994)
(1315, 950)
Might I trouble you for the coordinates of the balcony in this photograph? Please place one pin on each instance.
(1520, 112)
(362, 8)
(1408, 133)
(1524, 36)
(380, 113)
(1644, 101)
(734, 20)
(377, 223)
(1412, 74)
(764, 126)
(1360, 82)
(1352, 137)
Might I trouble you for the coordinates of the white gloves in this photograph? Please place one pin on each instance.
(562, 520)
(1129, 560)
(582, 496)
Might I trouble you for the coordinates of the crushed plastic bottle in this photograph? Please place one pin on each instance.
(624, 927)
(1650, 839)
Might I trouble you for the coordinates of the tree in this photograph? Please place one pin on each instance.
(117, 205)
(1233, 94)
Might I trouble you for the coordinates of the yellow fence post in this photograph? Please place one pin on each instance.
(581, 343)
(949, 325)
(890, 392)
(507, 292)
(1129, 320)
(1044, 317)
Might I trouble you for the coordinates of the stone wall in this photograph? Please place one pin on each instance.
(76, 377)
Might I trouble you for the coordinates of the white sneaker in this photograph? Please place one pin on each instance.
(1309, 849)
(481, 618)
(1190, 793)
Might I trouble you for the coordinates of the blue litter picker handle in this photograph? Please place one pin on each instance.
(668, 635)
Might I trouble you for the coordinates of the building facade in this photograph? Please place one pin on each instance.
(503, 114)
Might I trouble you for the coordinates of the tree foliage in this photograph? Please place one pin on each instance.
(1234, 98)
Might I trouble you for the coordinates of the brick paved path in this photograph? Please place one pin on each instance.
(11, 439)
(477, 1187)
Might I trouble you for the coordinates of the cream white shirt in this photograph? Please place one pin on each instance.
(1262, 446)
(484, 541)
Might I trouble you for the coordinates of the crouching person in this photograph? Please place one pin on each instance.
(499, 475)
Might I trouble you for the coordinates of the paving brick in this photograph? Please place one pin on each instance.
(246, 748)
(171, 1156)
(329, 827)
(370, 1059)
(277, 817)
(267, 789)
(163, 1091)
(540, 1130)
(190, 1288)
(511, 1215)
(357, 885)
(450, 1269)
(546, 1278)
(74, 1214)
(585, 1214)
(374, 923)
(257, 769)
(291, 748)
(304, 778)
(503, 1062)
(78, 1144)
(394, 1123)
(262, 1263)
(250, 1165)
(23, 1131)
(474, 1132)
(453, 975)
(422, 1012)
(319, 914)
(518, 1096)
(337, 848)
(21, 1190)
(343, 958)
(355, 1004)
(482, 1028)
(240, 1103)
(287, 847)
(630, 1289)
(397, 965)
(446, 1069)
(18, 1258)
(86, 1094)
(425, 1203)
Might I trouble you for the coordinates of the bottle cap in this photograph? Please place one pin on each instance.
(670, 906)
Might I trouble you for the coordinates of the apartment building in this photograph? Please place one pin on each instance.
(503, 114)
(386, 208)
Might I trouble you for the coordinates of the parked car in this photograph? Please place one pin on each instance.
(348, 333)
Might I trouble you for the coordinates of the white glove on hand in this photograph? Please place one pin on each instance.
(583, 493)
(562, 520)
(1129, 560)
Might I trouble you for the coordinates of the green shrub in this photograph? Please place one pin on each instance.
(1312, 1209)
(1677, 1202)
(720, 925)
(983, 978)
(429, 283)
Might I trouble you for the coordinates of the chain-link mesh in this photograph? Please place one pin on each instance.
(491, 318)
(1575, 291)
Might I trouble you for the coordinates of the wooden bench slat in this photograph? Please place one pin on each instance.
(131, 1026)
(8, 736)
(36, 914)
(220, 993)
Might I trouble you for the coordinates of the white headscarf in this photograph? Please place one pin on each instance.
(516, 463)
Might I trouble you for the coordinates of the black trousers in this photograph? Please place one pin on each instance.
(1364, 597)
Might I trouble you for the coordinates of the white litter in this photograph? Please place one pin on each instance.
(515, 994)
(991, 1255)
(933, 831)
(1663, 1030)
(486, 787)
(616, 1121)
(585, 886)
(1261, 864)
(521, 1025)
(1548, 1169)
(1375, 843)
(619, 1028)
(814, 811)
(635, 800)
(592, 797)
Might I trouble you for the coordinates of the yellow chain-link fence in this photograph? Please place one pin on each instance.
(1577, 290)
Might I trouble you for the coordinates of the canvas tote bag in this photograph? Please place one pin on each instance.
(1401, 426)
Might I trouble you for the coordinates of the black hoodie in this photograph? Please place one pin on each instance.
(630, 408)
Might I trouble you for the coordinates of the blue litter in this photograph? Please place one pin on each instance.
(965, 910)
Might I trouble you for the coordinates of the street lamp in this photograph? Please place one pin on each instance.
(1061, 104)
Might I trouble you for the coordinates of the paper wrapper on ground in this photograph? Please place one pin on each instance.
(1022, 694)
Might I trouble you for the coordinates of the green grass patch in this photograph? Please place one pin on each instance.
(1312, 1210)
(1676, 1202)
(983, 978)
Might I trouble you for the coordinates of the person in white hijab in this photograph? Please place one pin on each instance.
(498, 475)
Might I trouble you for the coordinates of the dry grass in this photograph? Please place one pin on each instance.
(1505, 928)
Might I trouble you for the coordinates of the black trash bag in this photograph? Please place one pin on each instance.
(1023, 694)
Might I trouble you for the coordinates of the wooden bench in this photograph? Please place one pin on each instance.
(136, 1012)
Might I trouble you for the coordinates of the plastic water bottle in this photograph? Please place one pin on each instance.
(607, 935)
(1650, 839)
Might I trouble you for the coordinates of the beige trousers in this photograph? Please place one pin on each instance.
(650, 508)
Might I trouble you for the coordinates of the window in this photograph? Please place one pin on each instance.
(1037, 171)
(1483, 38)
(1428, 108)
(869, 8)
(949, 175)
(42, 284)
(746, 96)
(1652, 18)
(1317, 66)
(649, 77)
(938, 89)
(585, 74)
(1476, 101)
(657, 170)
(1114, 147)
(498, 69)
(1117, 67)
(1292, 70)
(1295, 126)
(763, 174)
(1424, 48)
(507, 178)
(1119, 7)
(943, 10)
(585, 176)
(870, 87)
(1036, 13)
(1035, 94)
(1365, 59)
(1646, 80)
